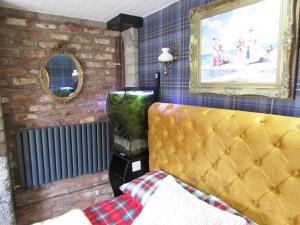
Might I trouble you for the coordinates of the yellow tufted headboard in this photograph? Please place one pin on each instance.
(250, 160)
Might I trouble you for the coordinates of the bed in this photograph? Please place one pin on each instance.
(249, 160)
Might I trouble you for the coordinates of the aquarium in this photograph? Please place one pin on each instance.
(127, 111)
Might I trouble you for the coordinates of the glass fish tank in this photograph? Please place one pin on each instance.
(128, 113)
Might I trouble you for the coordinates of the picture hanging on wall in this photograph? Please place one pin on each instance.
(244, 47)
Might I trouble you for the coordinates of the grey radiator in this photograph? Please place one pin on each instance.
(55, 153)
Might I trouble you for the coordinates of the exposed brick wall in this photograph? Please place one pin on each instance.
(25, 38)
(58, 197)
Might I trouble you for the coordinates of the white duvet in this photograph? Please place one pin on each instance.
(172, 205)
(73, 217)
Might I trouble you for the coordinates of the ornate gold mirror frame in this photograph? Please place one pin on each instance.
(212, 73)
(44, 76)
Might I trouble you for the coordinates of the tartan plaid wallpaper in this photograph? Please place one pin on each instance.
(171, 24)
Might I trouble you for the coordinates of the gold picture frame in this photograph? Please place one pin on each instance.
(60, 49)
(251, 68)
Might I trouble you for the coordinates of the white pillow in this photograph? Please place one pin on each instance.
(171, 204)
(73, 217)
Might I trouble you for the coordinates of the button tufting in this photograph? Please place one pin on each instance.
(257, 162)
(275, 189)
(255, 203)
(214, 165)
(242, 135)
(241, 175)
(227, 151)
(226, 189)
(277, 144)
(193, 157)
(296, 173)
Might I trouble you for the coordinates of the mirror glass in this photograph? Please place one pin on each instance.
(63, 75)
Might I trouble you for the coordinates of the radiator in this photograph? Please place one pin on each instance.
(54, 153)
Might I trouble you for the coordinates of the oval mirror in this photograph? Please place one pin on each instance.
(61, 75)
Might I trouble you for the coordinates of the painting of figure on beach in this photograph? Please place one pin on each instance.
(241, 46)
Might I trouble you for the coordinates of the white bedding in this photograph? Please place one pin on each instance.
(73, 217)
(171, 204)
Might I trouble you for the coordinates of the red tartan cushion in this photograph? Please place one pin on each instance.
(120, 210)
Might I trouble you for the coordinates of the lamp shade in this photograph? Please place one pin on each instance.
(165, 56)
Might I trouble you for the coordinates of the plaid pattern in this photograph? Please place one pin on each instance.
(216, 202)
(171, 24)
(121, 210)
(143, 187)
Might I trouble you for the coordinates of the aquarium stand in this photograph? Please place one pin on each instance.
(124, 169)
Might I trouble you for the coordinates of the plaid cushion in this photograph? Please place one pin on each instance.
(116, 211)
(143, 187)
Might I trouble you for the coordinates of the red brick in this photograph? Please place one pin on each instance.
(13, 71)
(24, 62)
(20, 42)
(9, 52)
(11, 33)
(13, 109)
(93, 30)
(31, 53)
(10, 91)
(3, 61)
(69, 28)
(25, 116)
(24, 99)
(3, 82)
(31, 34)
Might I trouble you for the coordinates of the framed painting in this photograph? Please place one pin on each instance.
(244, 47)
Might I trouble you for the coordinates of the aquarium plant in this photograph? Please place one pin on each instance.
(127, 111)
